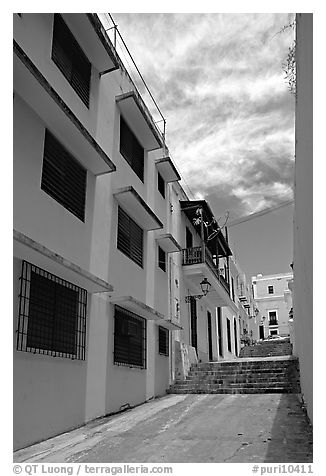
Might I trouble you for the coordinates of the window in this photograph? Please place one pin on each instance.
(161, 259)
(161, 184)
(130, 237)
(228, 329)
(273, 333)
(272, 318)
(52, 315)
(70, 59)
(131, 149)
(163, 341)
(270, 289)
(129, 339)
(63, 178)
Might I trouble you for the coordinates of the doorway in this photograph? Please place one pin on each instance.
(261, 332)
(235, 338)
(193, 322)
(210, 342)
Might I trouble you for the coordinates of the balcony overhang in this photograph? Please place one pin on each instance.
(34, 89)
(168, 243)
(37, 254)
(137, 208)
(167, 169)
(217, 295)
(91, 35)
(189, 207)
(137, 307)
(139, 120)
(170, 324)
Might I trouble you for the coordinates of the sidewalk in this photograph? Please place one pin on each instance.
(188, 428)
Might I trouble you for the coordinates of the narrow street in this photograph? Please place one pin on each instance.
(188, 428)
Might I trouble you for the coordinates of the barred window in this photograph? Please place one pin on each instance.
(130, 237)
(129, 339)
(161, 184)
(163, 341)
(161, 259)
(70, 59)
(131, 149)
(52, 315)
(63, 178)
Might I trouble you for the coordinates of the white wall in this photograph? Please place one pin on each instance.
(303, 214)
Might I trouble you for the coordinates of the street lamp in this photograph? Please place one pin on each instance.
(205, 287)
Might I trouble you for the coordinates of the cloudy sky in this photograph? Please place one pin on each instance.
(218, 81)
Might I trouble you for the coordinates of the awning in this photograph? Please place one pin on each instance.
(167, 169)
(138, 307)
(168, 243)
(137, 208)
(37, 254)
(138, 118)
(34, 89)
(91, 36)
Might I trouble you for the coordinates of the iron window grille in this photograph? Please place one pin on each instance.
(63, 178)
(70, 59)
(131, 149)
(129, 339)
(52, 315)
(130, 237)
(161, 184)
(163, 341)
(161, 259)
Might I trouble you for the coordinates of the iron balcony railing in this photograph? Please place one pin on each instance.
(201, 254)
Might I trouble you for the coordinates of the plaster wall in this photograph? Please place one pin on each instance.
(38, 47)
(35, 213)
(49, 394)
(303, 214)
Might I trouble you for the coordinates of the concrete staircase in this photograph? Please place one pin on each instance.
(245, 375)
(267, 348)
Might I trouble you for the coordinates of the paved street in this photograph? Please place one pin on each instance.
(189, 428)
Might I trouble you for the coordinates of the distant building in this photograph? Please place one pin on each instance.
(272, 309)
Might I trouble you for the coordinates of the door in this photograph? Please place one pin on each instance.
(210, 343)
(235, 338)
(193, 322)
(261, 332)
(220, 331)
(189, 240)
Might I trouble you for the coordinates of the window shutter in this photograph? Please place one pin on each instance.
(63, 178)
(70, 59)
(130, 237)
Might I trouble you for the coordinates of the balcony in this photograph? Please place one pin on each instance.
(198, 263)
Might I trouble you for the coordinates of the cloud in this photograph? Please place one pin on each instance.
(218, 80)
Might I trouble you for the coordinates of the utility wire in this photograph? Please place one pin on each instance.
(237, 221)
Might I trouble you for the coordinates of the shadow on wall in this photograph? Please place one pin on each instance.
(291, 434)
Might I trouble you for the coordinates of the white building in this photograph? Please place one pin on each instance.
(272, 309)
(100, 219)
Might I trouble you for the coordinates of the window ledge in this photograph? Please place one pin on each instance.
(139, 308)
(137, 208)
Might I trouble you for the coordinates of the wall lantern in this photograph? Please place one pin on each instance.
(205, 287)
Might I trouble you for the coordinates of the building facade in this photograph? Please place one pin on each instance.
(109, 252)
(270, 293)
(303, 210)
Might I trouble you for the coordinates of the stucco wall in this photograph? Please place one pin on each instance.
(48, 392)
(303, 214)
